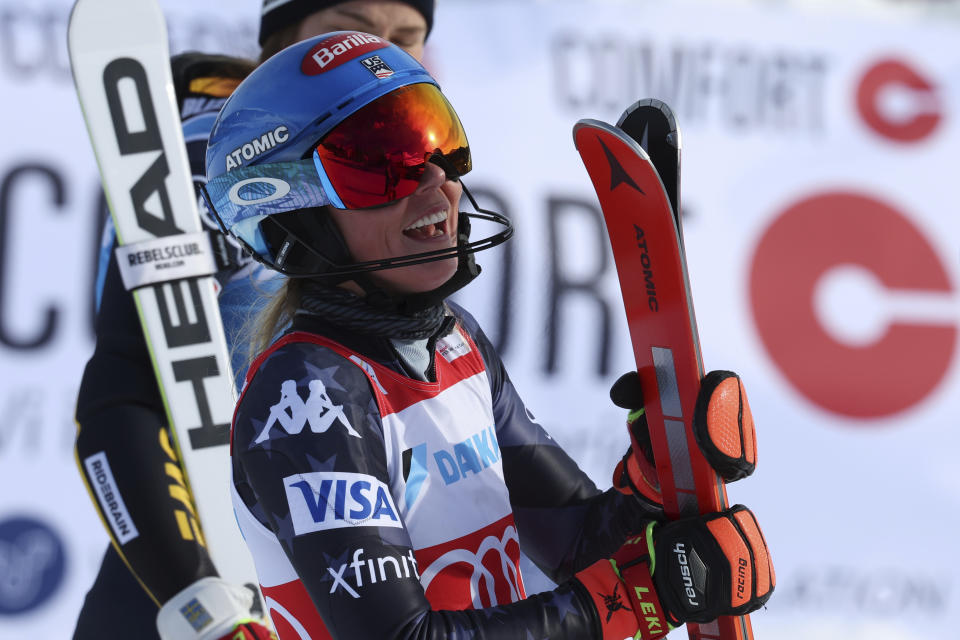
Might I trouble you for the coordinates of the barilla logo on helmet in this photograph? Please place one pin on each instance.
(334, 51)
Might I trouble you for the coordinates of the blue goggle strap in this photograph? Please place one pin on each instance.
(247, 193)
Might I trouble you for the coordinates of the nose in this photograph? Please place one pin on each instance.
(433, 178)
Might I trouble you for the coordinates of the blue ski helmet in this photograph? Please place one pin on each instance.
(345, 119)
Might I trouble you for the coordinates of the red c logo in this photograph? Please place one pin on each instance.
(897, 102)
(802, 245)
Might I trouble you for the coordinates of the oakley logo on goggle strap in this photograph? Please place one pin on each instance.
(260, 190)
(280, 189)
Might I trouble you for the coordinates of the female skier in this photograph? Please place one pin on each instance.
(386, 473)
(145, 579)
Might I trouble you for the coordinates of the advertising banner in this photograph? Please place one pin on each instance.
(823, 241)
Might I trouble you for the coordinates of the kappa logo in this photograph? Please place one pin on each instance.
(293, 413)
(322, 500)
(334, 51)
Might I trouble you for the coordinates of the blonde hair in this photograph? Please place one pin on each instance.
(265, 324)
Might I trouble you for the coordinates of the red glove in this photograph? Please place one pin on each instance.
(722, 425)
(251, 630)
(690, 570)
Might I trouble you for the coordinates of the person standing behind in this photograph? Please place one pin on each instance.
(145, 580)
(405, 23)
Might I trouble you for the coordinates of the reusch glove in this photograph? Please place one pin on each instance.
(722, 424)
(689, 570)
(212, 609)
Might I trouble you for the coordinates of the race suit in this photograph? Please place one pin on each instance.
(379, 503)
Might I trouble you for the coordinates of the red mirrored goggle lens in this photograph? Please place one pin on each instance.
(378, 154)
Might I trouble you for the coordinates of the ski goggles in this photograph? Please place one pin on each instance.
(376, 156)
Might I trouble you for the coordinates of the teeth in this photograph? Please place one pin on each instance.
(430, 219)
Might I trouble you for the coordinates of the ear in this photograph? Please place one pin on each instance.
(305, 241)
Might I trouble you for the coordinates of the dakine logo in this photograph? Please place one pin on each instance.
(334, 51)
(377, 67)
(415, 473)
(278, 189)
(293, 413)
(322, 500)
(250, 150)
(376, 571)
(105, 488)
(478, 452)
(647, 269)
(473, 455)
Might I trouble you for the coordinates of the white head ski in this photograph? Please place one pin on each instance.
(121, 67)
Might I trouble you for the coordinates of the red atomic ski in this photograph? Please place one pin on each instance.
(648, 251)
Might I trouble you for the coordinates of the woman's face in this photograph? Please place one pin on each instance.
(391, 20)
(423, 221)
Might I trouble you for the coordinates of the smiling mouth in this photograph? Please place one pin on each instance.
(428, 227)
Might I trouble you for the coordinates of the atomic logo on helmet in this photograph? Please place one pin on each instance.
(260, 144)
